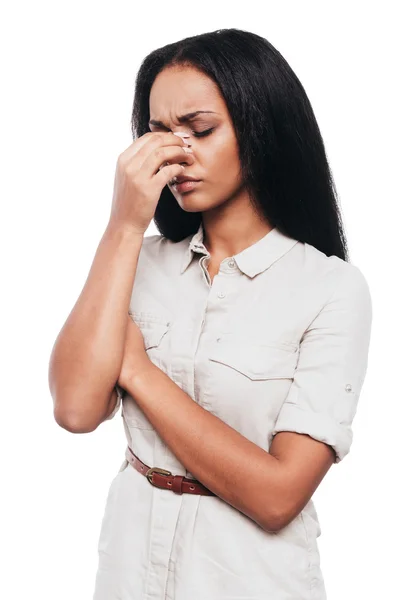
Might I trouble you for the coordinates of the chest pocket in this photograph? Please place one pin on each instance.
(257, 361)
(154, 329)
(247, 383)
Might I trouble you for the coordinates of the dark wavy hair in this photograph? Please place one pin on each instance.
(281, 152)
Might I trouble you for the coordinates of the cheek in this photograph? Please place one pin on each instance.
(221, 160)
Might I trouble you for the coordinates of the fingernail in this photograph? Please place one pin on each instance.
(181, 134)
(184, 136)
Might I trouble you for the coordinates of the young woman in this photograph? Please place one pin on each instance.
(235, 341)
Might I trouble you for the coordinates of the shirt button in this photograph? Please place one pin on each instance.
(348, 388)
(231, 264)
(221, 295)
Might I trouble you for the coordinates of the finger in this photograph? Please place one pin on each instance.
(166, 175)
(151, 140)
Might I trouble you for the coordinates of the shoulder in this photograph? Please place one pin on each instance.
(330, 271)
(154, 288)
(158, 247)
(340, 282)
(159, 258)
(328, 285)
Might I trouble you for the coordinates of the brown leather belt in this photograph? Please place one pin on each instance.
(164, 479)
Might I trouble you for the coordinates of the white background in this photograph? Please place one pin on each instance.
(67, 79)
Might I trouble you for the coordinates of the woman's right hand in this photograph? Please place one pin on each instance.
(141, 174)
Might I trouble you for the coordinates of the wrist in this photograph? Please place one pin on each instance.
(138, 377)
(123, 230)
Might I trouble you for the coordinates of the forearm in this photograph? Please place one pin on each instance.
(234, 468)
(87, 355)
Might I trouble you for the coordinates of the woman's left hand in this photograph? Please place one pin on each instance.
(135, 356)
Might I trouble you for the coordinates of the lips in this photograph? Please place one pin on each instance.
(186, 186)
(183, 178)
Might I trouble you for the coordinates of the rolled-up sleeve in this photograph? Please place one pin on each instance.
(120, 394)
(332, 365)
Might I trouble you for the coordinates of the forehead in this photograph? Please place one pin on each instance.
(177, 91)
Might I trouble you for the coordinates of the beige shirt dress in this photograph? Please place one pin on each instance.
(278, 341)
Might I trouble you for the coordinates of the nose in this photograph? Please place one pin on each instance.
(189, 160)
(184, 136)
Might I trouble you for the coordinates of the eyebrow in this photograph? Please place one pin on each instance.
(182, 118)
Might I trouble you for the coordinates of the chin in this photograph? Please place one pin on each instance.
(193, 203)
(189, 205)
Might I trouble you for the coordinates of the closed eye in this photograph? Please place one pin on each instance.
(203, 133)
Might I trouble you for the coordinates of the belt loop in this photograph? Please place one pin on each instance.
(177, 484)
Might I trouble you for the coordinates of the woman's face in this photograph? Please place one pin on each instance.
(180, 90)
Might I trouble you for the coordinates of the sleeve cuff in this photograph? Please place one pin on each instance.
(316, 425)
(120, 394)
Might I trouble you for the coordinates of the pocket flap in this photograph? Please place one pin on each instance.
(256, 361)
(152, 327)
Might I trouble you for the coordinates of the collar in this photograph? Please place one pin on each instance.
(252, 260)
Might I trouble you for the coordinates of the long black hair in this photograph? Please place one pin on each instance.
(281, 152)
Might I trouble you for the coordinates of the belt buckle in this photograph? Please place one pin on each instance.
(156, 470)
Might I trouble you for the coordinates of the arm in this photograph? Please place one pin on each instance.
(247, 477)
(86, 358)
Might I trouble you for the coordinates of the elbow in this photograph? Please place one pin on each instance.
(73, 423)
(275, 522)
(78, 412)
(278, 517)
(76, 409)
